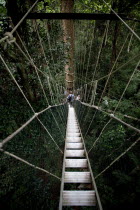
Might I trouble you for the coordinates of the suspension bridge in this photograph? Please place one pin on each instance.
(76, 169)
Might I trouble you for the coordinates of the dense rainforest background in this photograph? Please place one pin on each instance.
(37, 56)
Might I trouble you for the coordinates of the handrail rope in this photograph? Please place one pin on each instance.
(90, 50)
(98, 58)
(49, 135)
(122, 154)
(19, 23)
(48, 37)
(84, 54)
(108, 77)
(41, 44)
(127, 84)
(40, 40)
(113, 68)
(62, 111)
(77, 69)
(36, 70)
(48, 102)
(93, 75)
(122, 21)
(85, 51)
(28, 163)
(82, 51)
(30, 59)
(112, 116)
(92, 175)
(98, 79)
(7, 68)
(120, 146)
(50, 50)
(99, 53)
(7, 139)
(117, 104)
(57, 85)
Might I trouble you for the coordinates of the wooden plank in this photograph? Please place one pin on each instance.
(77, 177)
(76, 163)
(70, 130)
(73, 134)
(75, 153)
(73, 139)
(71, 123)
(73, 127)
(74, 145)
(79, 198)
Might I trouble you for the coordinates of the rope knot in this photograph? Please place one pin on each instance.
(112, 115)
(10, 38)
(36, 114)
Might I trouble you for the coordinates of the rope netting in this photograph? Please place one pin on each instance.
(37, 78)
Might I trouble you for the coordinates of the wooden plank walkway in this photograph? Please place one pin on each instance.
(76, 169)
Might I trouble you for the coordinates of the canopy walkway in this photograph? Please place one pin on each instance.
(76, 168)
(78, 181)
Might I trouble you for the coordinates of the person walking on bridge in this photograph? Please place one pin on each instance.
(70, 99)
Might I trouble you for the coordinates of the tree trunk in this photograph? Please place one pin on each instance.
(68, 37)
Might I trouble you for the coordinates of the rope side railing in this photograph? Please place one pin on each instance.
(28, 163)
(121, 155)
(42, 87)
(122, 95)
(117, 69)
(7, 139)
(112, 116)
(7, 68)
(109, 75)
(30, 60)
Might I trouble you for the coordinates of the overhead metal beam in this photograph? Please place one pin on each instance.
(76, 16)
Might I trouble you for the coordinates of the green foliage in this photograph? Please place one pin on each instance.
(23, 187)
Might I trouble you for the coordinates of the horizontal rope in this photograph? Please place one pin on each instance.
(117, 158)
(112, 116)
(29, 164)
(7, 139)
